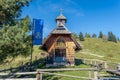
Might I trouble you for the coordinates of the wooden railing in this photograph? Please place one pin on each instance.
(109, 67)
(39, 73)
(105, 64)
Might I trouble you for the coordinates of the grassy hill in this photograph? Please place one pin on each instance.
(100, 49)
(93, 48)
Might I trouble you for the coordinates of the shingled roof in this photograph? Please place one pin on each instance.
(60, 29)
(61, 17)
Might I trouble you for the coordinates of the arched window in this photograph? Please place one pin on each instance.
(60, 42)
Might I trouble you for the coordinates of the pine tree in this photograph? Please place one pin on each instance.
(81, 37)
(25, 24)
(10, 10)
(100, 35)
(94, 35)
(75, 35)
(13, 42)
(87, 35)
(111, 37)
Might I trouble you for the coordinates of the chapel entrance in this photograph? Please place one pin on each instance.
(60, 51)
(60, 55)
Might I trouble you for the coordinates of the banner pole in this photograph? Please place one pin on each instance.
(31, 47)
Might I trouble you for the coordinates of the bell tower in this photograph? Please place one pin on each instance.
(61, 19)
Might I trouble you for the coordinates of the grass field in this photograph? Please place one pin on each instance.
(20, 60)
(92, 49)
(109, 51)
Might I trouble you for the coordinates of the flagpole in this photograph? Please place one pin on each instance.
(36, 37)
(31, 48)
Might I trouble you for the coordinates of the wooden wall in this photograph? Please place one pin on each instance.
(70, 52)
(70, 47)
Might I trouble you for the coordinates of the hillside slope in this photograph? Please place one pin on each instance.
(100, 49)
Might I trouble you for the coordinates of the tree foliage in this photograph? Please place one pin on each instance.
(94, 35)
(100, 35)
(81, 37)
(87, 35)
(75, 35)
(25, 24)
(13, 42)
(10, 10)
(111, 37)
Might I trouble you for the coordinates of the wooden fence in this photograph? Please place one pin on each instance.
(94, 62)
(109, 67)
(39, 73)
(104, 64)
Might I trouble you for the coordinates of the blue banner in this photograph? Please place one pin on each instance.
(37, 31)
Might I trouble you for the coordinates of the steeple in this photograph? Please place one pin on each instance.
(61, 11)
(61, 18)
(60, 27)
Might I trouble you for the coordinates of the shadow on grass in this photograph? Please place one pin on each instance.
(78, 62)
(50, 77)
(37, 64)
(27, 67)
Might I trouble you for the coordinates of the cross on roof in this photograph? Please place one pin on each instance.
(61, 11)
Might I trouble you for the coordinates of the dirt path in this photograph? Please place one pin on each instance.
(92, 54)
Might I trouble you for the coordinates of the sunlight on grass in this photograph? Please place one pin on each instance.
(110, 50)
(20, 60)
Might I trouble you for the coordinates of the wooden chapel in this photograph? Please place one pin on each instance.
(60, 45)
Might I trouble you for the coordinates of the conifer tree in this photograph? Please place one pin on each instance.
(81, 37)
(87, 35)
(25, 24)
(111, 37)
(94, 35)
(100, 35)
(13, 42)
(75, 35)
(10, 10)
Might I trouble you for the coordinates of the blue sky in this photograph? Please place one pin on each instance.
(90, 16)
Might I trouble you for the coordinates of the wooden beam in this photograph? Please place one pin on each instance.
(113, 72)
(69, 69)
(96, 75)
(19, 73)
(18, 79)
(39, 75)
(89, 74)
(65, 75)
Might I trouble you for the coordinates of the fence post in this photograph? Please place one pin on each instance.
(22, 63)
(35, 57)
(91, 62)
(84, 61)
(95, 62)
(39, 75)
(89, 73)
(106, 66)
(96, 75)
